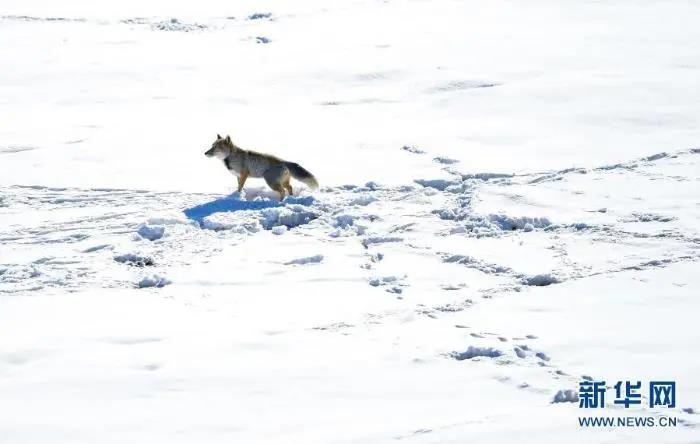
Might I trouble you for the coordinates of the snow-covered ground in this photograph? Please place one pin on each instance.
(509, 204)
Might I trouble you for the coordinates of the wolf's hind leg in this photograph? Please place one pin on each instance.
(277, 187)
(288, 187)
(276, 176)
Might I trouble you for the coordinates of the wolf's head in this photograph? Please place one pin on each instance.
(221, 148)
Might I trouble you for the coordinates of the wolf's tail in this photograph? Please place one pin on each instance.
(302, 174)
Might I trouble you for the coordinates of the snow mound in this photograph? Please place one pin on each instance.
(306, 260)
(231, 212)
(243, 223)
(474, 352)
(362, 200)
(279, 230)
(153, 281)
(251, 221)
(290, 216)
(565, 396)
(344, 220)
(487, 225)
(151, 232)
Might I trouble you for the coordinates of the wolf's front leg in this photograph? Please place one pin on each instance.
(241, 180)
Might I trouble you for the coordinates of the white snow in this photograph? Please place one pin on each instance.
(508, 205)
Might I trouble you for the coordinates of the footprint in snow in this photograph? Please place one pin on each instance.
(306, 260)
(445, 160)
(374, 240)
(260, 16)
(373, 259)
(153, 281)
(451, 287)
(475, 352)
(412, 149)
(150, 232)
(134, 260)
(566, 395)
(391, 284)
(135, 340)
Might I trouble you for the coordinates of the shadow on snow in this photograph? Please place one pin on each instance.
(234, 203)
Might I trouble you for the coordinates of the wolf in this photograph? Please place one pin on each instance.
(246, 163)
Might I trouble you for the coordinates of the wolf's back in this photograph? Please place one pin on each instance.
(302, 174)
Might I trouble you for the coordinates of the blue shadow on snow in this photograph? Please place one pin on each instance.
(233, 203)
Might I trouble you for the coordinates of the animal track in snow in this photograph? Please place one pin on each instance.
(475, 352)
(134, 260)
(391, 284)
(567, 395)
(412, 149)
(648, 217)
(306, 260)
(458, 85)
(153, 281)
(150, 232)
(445, 160)
(132, 340)
(260, 16)
(374, 240)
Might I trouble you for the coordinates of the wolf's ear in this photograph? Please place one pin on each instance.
(218, 136)
(228, 138)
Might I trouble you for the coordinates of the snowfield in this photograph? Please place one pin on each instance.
(509, 206)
